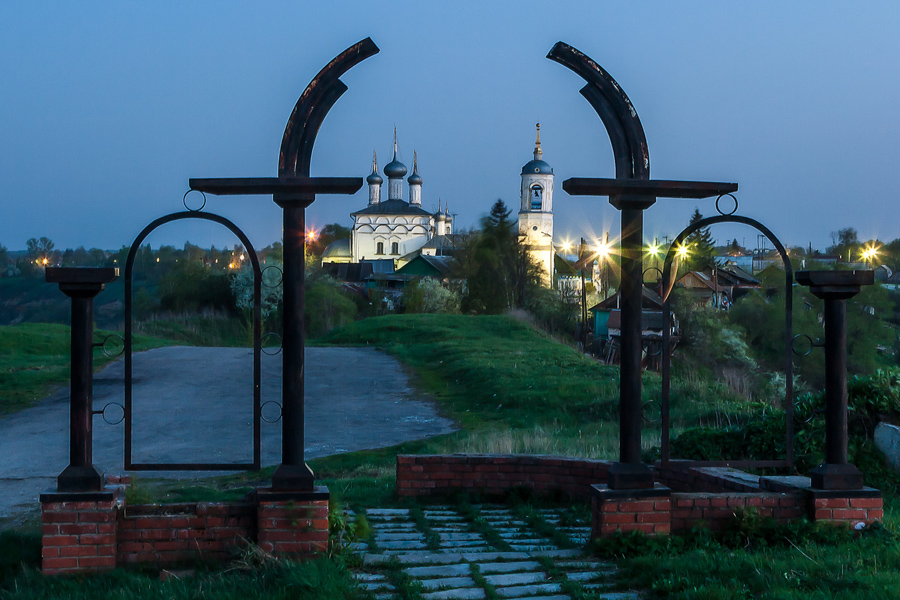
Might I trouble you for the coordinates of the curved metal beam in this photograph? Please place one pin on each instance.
(668, 280)
(614, 108)
(312, 107)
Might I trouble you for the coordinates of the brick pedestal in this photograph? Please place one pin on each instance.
(291, 522)
(647, 511)
(78, 531)
(845, 506)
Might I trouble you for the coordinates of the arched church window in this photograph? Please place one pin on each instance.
(395, 248)
(379, 248)
(537, 197)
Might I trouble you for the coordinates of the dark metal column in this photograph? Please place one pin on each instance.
(835, 288)
(293, 473)
(836, 435)
(81, 284)
(631, 296)
(630, 472)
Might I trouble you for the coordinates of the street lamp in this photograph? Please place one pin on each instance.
(870, 254)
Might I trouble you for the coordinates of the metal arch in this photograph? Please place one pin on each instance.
(257, 328)
(613, 107)
(312, 106)
(668, 281)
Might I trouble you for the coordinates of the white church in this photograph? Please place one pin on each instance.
(399, 230)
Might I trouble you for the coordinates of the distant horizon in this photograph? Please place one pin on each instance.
(108, 111)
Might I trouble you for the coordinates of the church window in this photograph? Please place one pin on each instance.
(537, 193)
(395, 248)
(379, 248)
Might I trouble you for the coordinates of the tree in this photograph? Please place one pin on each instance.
(427, 295)
(700, 245)
(497, 266)
(39, 250)
(4, 259)
(328, 234)
(845, 244)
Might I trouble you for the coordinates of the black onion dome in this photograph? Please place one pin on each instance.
(395, 169)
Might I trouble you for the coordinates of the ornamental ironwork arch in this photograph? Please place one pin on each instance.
(257, 327)
(668, 284)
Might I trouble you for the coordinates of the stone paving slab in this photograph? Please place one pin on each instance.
(398, 537)
(457, 594)
(520, 591)
(515, 578)
(556, 553)
(508, 567)
(585, 564)
(387, 511)
(461, 537)
(447, 582)
(585, 575)
(439, 571)
(402, 545)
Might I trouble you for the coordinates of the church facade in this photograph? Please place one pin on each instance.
(399, 230)
(394, 228)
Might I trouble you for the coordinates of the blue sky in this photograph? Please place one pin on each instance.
(107, 108)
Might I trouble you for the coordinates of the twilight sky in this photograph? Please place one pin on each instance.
(107, 108)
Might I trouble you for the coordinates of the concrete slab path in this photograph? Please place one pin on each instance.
(195, 405)
(444, 567)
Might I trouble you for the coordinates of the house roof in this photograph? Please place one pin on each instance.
(650, 300)
(442, 265)
(704, 279)
(439, 242)
(738, 275)
(392, 207)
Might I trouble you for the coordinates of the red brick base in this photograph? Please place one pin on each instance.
(845, 507)
(293, 523)
(647, 511)
(78, 532)
(87, 532)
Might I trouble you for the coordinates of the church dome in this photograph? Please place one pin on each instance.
(374, 178)
(537, 166)
(415, 178)
(338, 249)
(395, 169)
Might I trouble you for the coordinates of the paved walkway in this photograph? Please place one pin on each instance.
(440, 553)
(195, 405)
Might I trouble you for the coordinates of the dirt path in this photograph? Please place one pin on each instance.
(195, 405)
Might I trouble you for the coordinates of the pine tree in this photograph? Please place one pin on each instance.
(701, 245)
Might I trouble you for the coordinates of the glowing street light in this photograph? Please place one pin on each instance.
(869, 254)
(602, 249)
(682, 252)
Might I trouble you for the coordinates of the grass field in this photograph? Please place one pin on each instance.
(34, 358)
(512, 389)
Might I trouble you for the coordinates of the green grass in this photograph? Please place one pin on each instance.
(863, 569)
(34, 357)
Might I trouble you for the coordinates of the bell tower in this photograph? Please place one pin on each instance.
(536, 212)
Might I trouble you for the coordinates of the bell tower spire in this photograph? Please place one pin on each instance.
(536, 213)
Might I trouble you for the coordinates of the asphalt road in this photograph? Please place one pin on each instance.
(195, 405)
